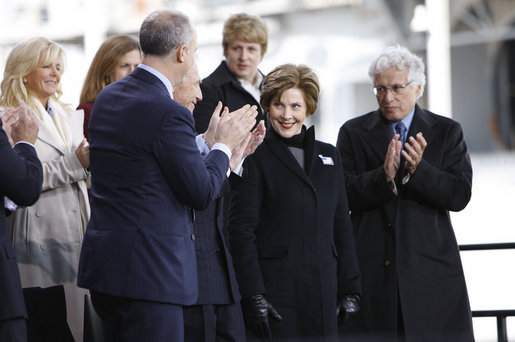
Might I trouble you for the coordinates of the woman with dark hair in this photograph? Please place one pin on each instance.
(289, 229)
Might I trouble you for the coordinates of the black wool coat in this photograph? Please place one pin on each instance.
(291, 237)
(406, 245)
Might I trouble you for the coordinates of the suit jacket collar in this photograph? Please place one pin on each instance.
(147, 77)
(378, 131)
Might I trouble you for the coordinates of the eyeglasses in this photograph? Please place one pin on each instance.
(397, 89)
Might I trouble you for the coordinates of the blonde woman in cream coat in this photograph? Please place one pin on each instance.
(47, 236)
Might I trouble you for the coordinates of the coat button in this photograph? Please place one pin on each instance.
(387, 263)
(43, 246)
(193, 236)
(39, 214)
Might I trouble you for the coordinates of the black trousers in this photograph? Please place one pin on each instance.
(214, 322)
(13, 330)
(132, 320)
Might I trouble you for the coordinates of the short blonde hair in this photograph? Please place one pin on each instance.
(105, 61)
(289, 76)
(247, 28)
(23, 59)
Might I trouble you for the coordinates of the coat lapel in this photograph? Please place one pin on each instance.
(422, 122)
(378, 134)
(49, 136)
(281, 151)
(148, 77)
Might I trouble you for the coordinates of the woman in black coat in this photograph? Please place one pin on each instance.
(290, 231)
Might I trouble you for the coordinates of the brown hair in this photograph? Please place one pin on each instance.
(105, 61)
(289, 76)
(247, 28)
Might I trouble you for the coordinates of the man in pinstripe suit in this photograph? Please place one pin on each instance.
(138, 254)
(216, 316)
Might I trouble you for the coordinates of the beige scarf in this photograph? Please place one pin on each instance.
(57, 122)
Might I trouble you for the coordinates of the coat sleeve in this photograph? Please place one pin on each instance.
(366, 190)
(21, 174)
(194, 181)
(349, 278)
(243, 222)
(448, 183)
(66, 169)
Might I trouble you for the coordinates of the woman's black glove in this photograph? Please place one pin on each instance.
(256, 310)
(348, 306)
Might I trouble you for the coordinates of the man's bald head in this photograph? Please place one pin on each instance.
(188, 92)
(162, 32)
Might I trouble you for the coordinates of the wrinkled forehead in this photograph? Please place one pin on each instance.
(392, 75)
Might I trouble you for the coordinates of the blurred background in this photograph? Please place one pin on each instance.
(468, 47)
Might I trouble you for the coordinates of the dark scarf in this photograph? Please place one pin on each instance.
(304, 140)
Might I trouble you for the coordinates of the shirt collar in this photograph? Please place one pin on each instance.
(159, 75)
(253, 89)
(406, 121)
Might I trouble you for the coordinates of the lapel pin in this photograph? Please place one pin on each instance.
(326, 160)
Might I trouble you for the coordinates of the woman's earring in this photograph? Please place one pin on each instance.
(24, 80)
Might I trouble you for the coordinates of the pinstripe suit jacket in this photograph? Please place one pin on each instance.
(217, 280)
(146, 174)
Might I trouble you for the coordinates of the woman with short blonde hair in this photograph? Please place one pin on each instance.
(237, 80)
(247, 28)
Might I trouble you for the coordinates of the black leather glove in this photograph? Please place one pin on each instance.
(256, 310)
(348, 306)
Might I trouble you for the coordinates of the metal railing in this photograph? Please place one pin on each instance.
(500, 315)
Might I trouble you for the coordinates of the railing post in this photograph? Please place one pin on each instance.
(502, 331)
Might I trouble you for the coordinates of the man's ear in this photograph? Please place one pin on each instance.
(181, 52)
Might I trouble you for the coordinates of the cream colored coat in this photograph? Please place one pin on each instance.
(47, 236)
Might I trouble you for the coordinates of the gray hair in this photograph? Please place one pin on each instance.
(400, 58)
(162, 32)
